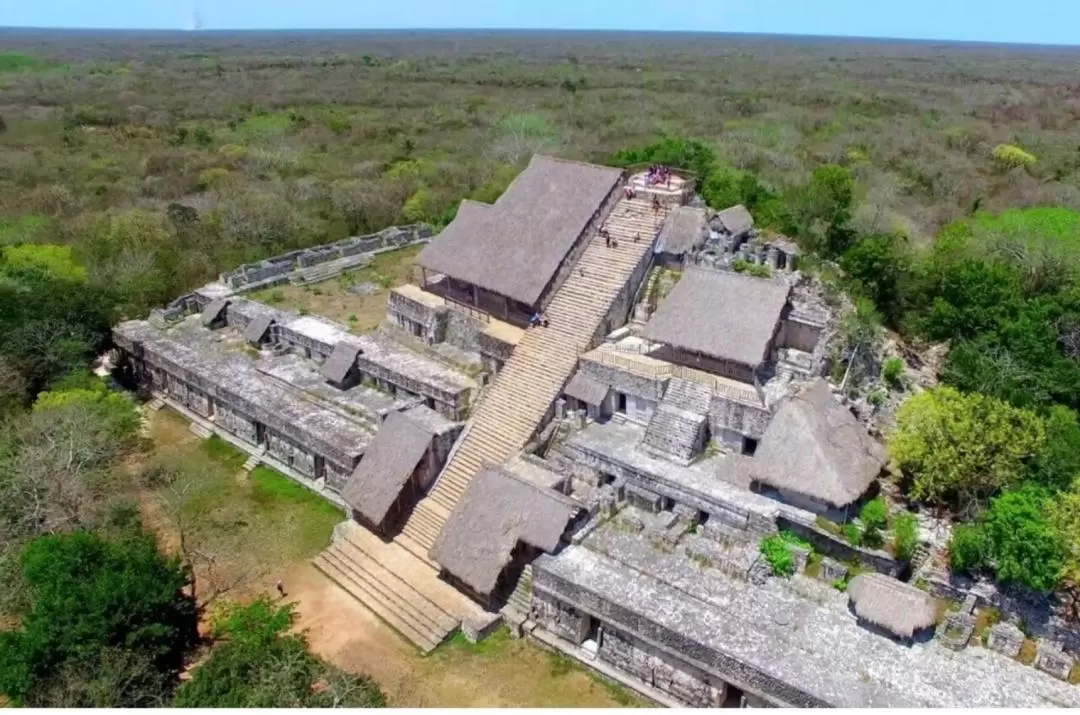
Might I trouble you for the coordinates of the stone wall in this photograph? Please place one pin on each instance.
(799, 335)
(463, 331)
(276, 269)
(401, 308)
(587, 466)
(337, 476)
(291, 454)
(726, 414)
(554, 595)
(832, 545)
(237, 424)
(626, 382)
(659, 670)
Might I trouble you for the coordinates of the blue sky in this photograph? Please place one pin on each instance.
(1032, 21)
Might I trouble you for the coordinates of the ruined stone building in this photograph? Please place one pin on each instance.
(602, 484)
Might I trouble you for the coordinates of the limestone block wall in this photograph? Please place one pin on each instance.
(728, 417)
(337, 475)
(240, 425)
(679, 652)
(799, 335)
(680, 680)
(276, 269)
(587, 465)
(290, 453)
(463, 331)
(626, 382)
(403, 311)
(451, 405)
(494, 349)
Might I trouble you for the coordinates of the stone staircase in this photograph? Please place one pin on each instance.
(545, 358)
(520, 600)
(254, 460)
(328, 269)
(678, 426)
(199, 430)
(155, 404)
(400, 589)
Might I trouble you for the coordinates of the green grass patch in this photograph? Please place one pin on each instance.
(25, 229)
(224, 453)
(492, 646)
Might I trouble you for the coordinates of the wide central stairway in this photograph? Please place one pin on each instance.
(506, 418)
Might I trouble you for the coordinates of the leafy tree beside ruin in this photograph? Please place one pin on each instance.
(102, 611)
(258, 663)
(960, 449)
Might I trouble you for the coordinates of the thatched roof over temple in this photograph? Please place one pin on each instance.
(515, 246)
(815, 447)
(684, 228)
(895, 606)
(389, 461)
(736, 220)
(341, 361)
(585, 388)
(496, 512)
(720, 314)
(214, 311)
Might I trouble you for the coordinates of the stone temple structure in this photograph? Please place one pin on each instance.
(601, 483)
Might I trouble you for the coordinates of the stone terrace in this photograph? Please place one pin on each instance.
(796, 638)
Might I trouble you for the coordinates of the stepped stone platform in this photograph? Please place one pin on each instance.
(396, 585)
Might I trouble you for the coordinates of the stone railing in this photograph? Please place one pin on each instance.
(278, 268)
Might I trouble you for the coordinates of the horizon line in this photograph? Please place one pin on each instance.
(206, 31)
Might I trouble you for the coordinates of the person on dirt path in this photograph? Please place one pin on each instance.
(280, 589)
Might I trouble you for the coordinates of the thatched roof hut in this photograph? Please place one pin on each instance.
(497, 511)
(515, 246)
(894, 606)
(684, 229)
(815, 447)
(720, 315)
(386, 467)
(736, 220)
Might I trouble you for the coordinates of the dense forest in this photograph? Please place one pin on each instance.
(935, 185)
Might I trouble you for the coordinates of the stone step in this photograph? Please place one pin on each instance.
(422, 610)
(155, 404)
(384, 611)
(378, 585)
(200, 431)
(251, 462)
(674, 432)
(688, 395)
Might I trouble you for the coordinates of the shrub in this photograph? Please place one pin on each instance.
(905, 536)
(1010, 156)
(969, 549)
(755, 269)
(853, 534)
(778, 555)
(1026, 548)
(214, 176)
(893, 372)
(420, 207)
(874, 516)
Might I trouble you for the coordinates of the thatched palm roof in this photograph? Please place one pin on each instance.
(684, 228)
(256, 330)
(214, 309)
(389, 461)
(515, 246)
(736, 220)
(496, 512)
(720, 314)
(585, 388)
(897, 607)
(815, 447)
(341, 361)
